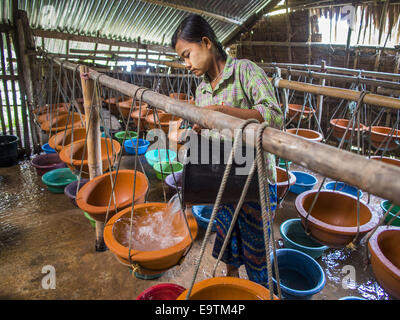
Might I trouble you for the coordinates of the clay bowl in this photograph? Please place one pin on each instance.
(295, 112)
(227, 288)
(176, 136)
(339, 128)
(47, 116)
(387, 160)
(125, 107)
(163, 120)
(307, 134)
(333, 221)
(94, 196)
(111, 103)
(60, 123)
(56, 141)
(181, 96)
(158, 258)
(46, 162)
(380, 136)
(62, 107)
(144, 113)
(282, 181)
(385, 258)
(78, 147)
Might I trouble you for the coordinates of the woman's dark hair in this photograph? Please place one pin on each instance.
(192, 29)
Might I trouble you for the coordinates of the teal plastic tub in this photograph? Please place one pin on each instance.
(56, 180)
(159, 155)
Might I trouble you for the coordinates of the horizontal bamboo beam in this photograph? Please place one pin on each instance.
(80, 38)
(377, 178)
(121, 52)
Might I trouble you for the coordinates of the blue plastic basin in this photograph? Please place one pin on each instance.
(153, 156)
(352, 298)
(202, 213)
(341, 186)
(130, 146)
(304, 182)
(46, 148)
(294, 237)
(300, 275)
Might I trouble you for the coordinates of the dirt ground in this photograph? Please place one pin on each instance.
(39, 228)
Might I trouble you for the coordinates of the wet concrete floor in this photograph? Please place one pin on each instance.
(39, 228)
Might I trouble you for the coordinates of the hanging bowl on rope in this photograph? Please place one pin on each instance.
(282, 181)
(163, 121)
(295, 112)
(60, 123)
(387, 160)
(382, 136)
(48, 116)
(78, 147)
(385, 258)
(306, 134)
(158, 243)
(56, 141)
(144, 113)
(177, 136)
(94, 196)
(339, 128)
(125, 106)
(57, 179)
(333, 220)
(46, 162)
(227, 288)
(112, 103)
(181, 96)
(60, 107)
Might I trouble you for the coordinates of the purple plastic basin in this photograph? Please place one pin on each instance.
(46, 162)
(169, 181)
(70, 189)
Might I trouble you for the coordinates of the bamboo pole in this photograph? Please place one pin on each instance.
(91, 105)
(372, 176)
(320, 98)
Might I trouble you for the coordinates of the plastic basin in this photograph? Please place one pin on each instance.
(57, 179)
(130, 146)
(163, 169)
(47, 149)
(385, 205)
(129, 134)
(91, 220)
(202, 213)
(162, 291)
(300, 275)
(159, 155)
(46, 162)
(70, 190)
(8, 150)
(170, 181)
(304, 182)
(343, 187)
(352, 298)
(294, 237)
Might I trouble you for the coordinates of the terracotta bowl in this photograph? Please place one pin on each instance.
(164, 119)
(111, 103)
(227, 288)
(56, 141)
(295, 111)
(339, 128)
(181, 96)
(47, 116)
(151, 261)
(380, 136)
(307, 134)
(385, 258)
(387, 160)
(78, 147)
(176, 136)
(282, 181)
(62, 107)
(333, 221)
(94, 196)
(60, 123)
(125, 107)
(144, 113)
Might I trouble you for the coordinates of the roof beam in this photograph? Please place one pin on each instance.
(194, 10)
(75, 37)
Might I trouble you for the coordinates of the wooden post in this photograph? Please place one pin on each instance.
(289, 32)
(91, 105)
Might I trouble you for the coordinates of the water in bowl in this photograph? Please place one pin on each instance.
(293, 279)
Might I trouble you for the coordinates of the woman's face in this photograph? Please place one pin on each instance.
(197, 56)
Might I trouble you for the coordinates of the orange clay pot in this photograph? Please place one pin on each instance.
(306, 134)
(295, 109)
(380, 136)
(339, 128)
(156, 261)
(333, 221)
(176, 135)
(62, 106)
(282, 181)
(94, 196)
(77, 149)
(56, 141)
(163, 120)
(181, 96)
(125, 106)
(227, 288)
(47, 116)
(385, 258)
(387, 160)
(59, 123)
(145, 112)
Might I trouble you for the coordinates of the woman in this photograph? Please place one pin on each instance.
(241, 89)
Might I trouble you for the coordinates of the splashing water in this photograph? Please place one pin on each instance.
(151, 230)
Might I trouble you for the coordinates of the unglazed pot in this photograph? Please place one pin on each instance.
(181, 96)
(306, 134)
(61, 107)
(295, 112)
(387, 160)
(385, 258)
(63, 122)
(282, 181)
(163, 120)
(47, 116)
(153, 261)
(227, 288)
(333, 220)
(108, 153)
(56, 141)
(94, 196)
(339, 128)
(125, 106)
(382, 136)
(144, 113)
